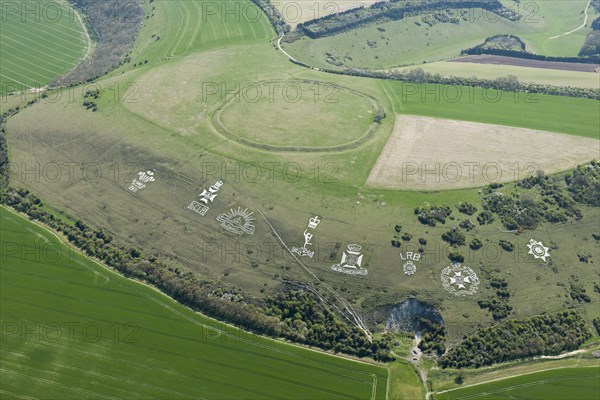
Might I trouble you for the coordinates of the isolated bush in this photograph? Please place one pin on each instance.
(475, 244)
(454, 236)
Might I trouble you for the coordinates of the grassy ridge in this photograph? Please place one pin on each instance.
(38, 46)
(558, 384)
(128, 340)
(413, 40)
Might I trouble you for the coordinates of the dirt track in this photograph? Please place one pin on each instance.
(426, 153)
(521, 62)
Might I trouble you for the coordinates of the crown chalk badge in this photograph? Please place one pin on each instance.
(314, 222)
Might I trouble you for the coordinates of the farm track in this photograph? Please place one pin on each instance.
(585, 11)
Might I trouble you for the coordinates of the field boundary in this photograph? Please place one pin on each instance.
(90, 42)
(511, 377)
(158, 291)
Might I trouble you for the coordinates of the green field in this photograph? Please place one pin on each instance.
(187, 26)
(556, 384)
(405, 383)
(412, 41)
(39, 41)
(73, 329)
(535, 111)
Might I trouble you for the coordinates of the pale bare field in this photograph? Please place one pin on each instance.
(426, 153)
(298, 11)
(525, 74)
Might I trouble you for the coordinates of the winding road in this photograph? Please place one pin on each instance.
(579, 27)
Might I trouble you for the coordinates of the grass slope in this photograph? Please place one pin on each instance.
(127, 340)
(181, 27)
(412, 41)
(39, 41)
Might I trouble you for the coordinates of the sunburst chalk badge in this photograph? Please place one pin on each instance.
(538, 250)
(237, 221)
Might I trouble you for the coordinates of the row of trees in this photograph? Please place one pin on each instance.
(510, 84)
(305, 319)
(275, 17)
(482, 49)
(546, 334)
(392, 11)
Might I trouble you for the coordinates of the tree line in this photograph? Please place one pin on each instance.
(591, 46)
(509, 83)
(392, 11)
(274, 16)
(477, 50)
(546, 334)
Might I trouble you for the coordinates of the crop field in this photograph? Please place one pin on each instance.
(295, 12)
(404, 382)
(412, 40)
(426, 140)
(39, 41)
(557, 384)
(522, 62)
(524, 74)
(71, 328)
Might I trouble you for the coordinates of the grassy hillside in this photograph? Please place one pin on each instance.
(166, 122)
(72, 328)
(419, 39)
(39, 42)
(181, 27)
